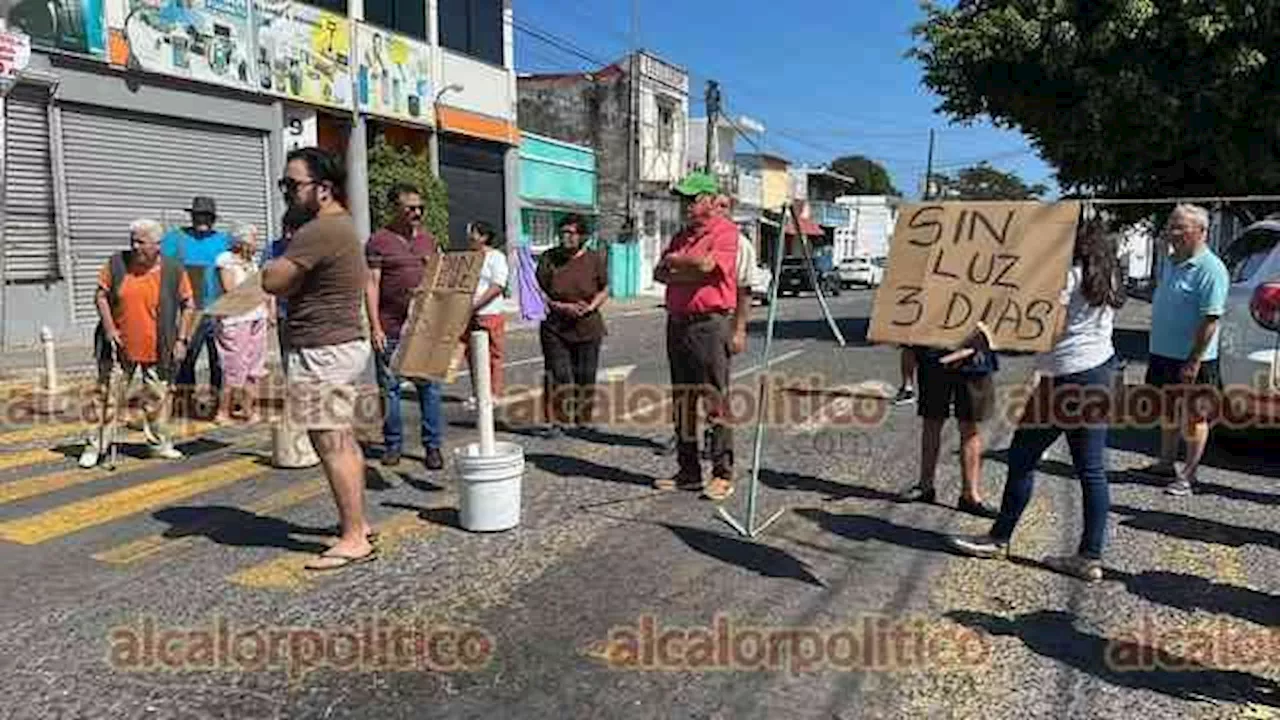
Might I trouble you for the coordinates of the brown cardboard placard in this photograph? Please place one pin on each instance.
(953, 264)
(241, 299)
(438, 317)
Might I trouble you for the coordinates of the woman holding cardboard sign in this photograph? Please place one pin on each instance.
(1073, 397)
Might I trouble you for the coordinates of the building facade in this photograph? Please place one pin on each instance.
(640, 155)
(872, 220)
(141, 106)
(556, 179)
(775, 178)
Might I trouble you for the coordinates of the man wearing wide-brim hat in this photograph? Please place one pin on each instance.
(699, 270)
(197, 247)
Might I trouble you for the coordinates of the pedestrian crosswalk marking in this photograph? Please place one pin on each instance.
(44, 484)
(84, 514)
(288, 571)
(45, 431)
(45, 456)
(152, 545)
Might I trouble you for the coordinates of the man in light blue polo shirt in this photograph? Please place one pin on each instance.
(1191, 296)
(197, 247)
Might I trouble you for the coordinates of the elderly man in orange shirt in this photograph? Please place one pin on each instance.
(145, 306)
(699, 268)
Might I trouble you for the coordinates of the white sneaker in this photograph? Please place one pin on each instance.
(90, 456)
(166, 452)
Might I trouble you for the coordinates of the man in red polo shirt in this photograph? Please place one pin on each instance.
(699, 270)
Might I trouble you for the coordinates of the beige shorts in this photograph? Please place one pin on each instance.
(323, 382)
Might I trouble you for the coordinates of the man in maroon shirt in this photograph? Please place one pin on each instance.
(699, 270)
(397, 256)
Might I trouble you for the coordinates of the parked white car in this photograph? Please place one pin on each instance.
(1250, 329)
(861, 271)
(761, 282)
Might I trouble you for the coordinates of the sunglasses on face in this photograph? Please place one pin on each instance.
(289, 186)
(416, 209)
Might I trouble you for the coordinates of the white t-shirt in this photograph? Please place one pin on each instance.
(746, 261)
(1086, 343)
(492, 274)
(239, 269)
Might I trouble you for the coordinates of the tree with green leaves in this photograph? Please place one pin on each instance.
(389, 165)
(1127, 98)
(984, 182)
(870, 176)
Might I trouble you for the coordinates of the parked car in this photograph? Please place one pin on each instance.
(860, 271)
(1250, 329)
(761, 283)
(795, 277)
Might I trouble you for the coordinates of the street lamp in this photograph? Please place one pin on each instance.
(434, 142)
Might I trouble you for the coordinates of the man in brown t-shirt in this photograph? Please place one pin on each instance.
(397, 256)
(322, 274)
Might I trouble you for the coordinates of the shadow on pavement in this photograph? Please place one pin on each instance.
(233, 526)
(575, 467)
(865, 527)
(445, 517)
(1124, 662)
(373, 480)
(1193, 528)
(853, 329)
(833, 490)
(1192, 592)
(138, 451)
(760, 559)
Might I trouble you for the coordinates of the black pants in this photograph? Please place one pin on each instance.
(698, 351)
(569, 383)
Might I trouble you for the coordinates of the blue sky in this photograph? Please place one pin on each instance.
(825, 77)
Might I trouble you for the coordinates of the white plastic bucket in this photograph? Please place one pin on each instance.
(490, 486)
(291, 447)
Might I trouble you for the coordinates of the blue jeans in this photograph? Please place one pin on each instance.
(1087, 438)
(393, 421)
(201, 339)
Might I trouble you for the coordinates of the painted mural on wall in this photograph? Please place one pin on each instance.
(204, 40)
(304, 53)
(67, 25)
(394, 75)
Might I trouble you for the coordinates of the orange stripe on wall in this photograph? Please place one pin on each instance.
(481, 126)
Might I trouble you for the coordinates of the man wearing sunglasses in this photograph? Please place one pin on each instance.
(397, 255)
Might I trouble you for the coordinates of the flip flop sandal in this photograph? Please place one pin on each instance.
(718, 489)
(342, 560)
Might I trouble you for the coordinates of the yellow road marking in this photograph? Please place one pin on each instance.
(288, 571)
(45, 431)
(46, 456)
(153, 545)
(77, 516)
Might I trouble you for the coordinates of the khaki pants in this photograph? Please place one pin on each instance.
(155, 402)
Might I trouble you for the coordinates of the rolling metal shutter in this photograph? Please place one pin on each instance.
(123, 166)
(473, 173)
(30, 232)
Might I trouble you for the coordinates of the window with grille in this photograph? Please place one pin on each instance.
(542, 232)
(666, 123)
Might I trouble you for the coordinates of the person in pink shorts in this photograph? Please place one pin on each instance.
(242, 339)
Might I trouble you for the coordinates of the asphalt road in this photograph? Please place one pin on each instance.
(176, 590)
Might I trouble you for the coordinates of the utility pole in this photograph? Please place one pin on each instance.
(713, 113)
(928, 173)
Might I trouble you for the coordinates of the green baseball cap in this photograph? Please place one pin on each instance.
(697, 183)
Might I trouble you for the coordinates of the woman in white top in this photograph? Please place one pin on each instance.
(1074, 396)
(487, 304)
(241, 339)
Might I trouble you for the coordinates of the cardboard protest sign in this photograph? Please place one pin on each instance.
(243, 298)
(438, 316)
(954, 264)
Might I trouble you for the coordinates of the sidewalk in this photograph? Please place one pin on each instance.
(74, 361)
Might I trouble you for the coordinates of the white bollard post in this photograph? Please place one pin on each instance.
(484, 397)
(50, 362)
